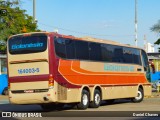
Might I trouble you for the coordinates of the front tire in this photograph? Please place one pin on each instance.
(139, 97)
(84, 100)
(96, 100)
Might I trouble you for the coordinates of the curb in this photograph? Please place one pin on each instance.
(152, 96)
(4, 102)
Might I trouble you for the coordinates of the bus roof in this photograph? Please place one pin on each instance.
(91, 39)
(85, 38)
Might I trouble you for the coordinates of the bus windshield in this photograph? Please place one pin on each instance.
(27, 44)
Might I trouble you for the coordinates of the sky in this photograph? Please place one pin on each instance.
(105, 19)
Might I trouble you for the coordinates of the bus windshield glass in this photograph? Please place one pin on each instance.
(27, 44)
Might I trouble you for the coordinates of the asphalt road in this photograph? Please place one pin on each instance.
(120, 108)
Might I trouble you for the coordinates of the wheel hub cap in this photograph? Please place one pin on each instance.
(97, 99)
(85, 99)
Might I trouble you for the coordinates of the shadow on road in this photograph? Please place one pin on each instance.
(117, 101)
(20, 108)
(37, 108)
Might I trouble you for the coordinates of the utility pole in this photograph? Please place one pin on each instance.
(145, 43)
(34, 10)
(136, 23)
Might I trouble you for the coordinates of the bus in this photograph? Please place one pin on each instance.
(52, 69)
(3, 75)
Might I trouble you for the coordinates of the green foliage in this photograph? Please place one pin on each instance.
(16, 21)
(3, 49)
(157, 42)
(156, 28)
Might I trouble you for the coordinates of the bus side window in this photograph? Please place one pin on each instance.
(136, 57)
(82, 50)
(70, 49)
(60, 47)
(95, 51)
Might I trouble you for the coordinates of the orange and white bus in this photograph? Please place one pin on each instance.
(52, 69)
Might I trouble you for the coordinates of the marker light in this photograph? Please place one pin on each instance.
(51, 80)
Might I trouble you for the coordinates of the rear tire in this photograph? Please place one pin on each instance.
(84, 100)
(139, 97)
(96, 100)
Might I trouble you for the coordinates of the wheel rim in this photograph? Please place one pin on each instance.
(85, 99)
(139, 96)
(97, 99)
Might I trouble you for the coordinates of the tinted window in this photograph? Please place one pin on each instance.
(65, 48)
(136, 56)
(131, 55)
(146, 65)
(70, 49)
(112, 53)
(118, 54)
(145, 60)
(107, 52)
(95, 51)
(128, 54)
(60, 47)
(27, 44)
(82, 50)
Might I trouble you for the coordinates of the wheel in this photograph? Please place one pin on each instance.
(139, 97)
(96, 100)
(110, 101)
(84, 100)
(5, 91)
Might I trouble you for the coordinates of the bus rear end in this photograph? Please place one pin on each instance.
(28, 69)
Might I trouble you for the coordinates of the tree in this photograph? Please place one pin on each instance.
(2, 47)
(156, 28)
(16, 21)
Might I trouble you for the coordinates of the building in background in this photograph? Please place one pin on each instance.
(155, 57)
(149, 47)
